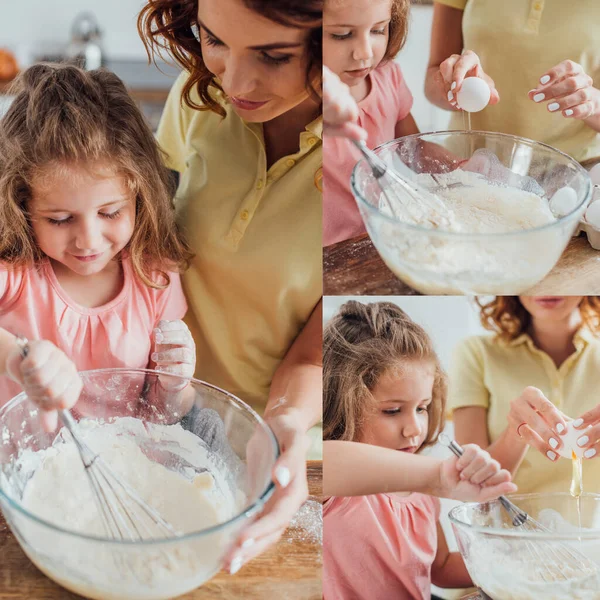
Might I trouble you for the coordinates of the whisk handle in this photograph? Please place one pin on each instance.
(378, 167)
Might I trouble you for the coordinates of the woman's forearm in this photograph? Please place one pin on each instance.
(509, 450)
(593, 122)
(348, 470)
(7, 341)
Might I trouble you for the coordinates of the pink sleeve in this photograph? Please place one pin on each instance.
(402, 93)
(10, 284)
(170, 302)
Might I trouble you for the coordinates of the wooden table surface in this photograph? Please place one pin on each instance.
(353, 267)
(291, 570)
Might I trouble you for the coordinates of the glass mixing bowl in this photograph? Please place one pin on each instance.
(241, 445)
(511, 563)
(434, 261)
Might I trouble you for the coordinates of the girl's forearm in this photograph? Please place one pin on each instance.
(452, 574)
(7, 342)
(348, 470)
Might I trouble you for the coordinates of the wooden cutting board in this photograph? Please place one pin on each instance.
(353, 267)
(291, 570)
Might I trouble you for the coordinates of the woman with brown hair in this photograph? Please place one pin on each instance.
(242, 127)
(519, 387)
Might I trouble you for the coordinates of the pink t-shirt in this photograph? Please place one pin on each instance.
(118, 334)
(379, 547)
(388, 101)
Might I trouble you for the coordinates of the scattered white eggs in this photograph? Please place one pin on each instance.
(474, 94)
(563, 201)
(592, 215)
(569, 439)
(595, 174)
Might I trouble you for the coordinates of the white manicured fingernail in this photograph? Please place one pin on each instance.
(583, 440)
(154, 356)
(539, 97)
(450, 96)
(553, 443)
(236, 565)
(282, 474)
(247, 543)
(453, 86)
(577, 422)
(545, 79)
(551, 455)
(568, 112)
(560, 428)
(589, 453)
(554, 106)
(159, 337)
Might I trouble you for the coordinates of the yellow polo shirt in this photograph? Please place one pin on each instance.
(490, 373)
(256, 232)
(517, 42)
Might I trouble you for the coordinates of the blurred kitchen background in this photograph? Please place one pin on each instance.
(90, 32)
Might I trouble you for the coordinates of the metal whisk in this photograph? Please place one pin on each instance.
(405, 199)
(124, 514)
(553, 561)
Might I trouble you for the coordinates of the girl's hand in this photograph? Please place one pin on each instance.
(49, 378)
(474, 477)
(591, 438)
(340, 111)
(458, 66)
(174, 353)
(567, 88)
(289, 475)
(534, 419)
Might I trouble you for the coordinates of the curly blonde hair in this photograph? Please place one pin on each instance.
(360, 344)
(63, 116)
(172, 26)
(508, 318)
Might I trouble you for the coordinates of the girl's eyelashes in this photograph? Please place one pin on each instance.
(395, 411)
(69, 219)
(265, 56)
(346, 36)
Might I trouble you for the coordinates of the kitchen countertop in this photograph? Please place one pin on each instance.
(353, 267)
(291, 570)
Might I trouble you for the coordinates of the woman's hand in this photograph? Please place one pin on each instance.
(49, 378)
(174, 353)
(474, 477)
(568, 89)
(456, 68)
(289, 475)
(534, 419)
(591, 438)
(340, 111)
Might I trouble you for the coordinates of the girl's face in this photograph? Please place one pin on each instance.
(401, 418)
(355, 38)
(261, 64)
(81, 218)
(551, 308)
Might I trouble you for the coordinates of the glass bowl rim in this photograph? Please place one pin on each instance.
(496, 532)
(459, 234)
(248, 512)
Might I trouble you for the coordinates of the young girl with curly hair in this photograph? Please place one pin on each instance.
(242, 126)
(89, 250)
(514, 391)
(360, 42)
(384, 400)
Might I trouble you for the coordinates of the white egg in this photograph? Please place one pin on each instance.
(474, 94)
(592, 215)
(569, 440)
(563, 201)
(595, 174)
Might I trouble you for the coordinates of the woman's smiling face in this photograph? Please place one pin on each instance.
(261, 65)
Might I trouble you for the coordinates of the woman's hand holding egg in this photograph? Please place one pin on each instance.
(474, 477)
(534, 419)
(589, 438)
(569, 90)
(340, 111)
(456, 68)
(174, 353)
